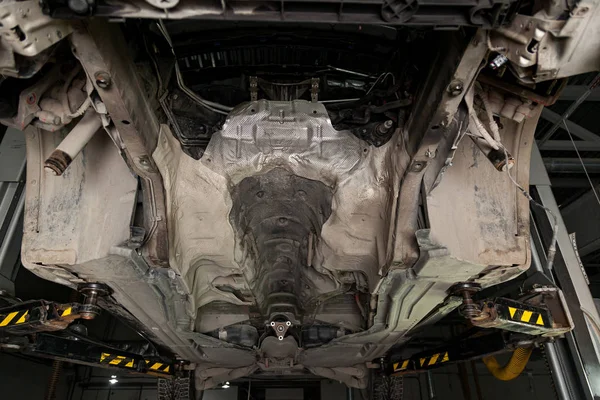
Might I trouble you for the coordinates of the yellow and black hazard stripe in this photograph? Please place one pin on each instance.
(420, 361)
(158, 367)
(34, 313)
(401, 365)
(528, 316)
(435, 359)
(117, 360)
(14, 318)
(66, 312)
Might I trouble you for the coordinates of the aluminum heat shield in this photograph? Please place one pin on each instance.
(256, 138)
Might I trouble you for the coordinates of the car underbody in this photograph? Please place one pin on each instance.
(282, 188)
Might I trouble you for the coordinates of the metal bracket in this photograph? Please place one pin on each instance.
(280, 328)
(314, 90)
(253, 88)
(37, 316)
(520, 41)
(526, 318)
(26, 30)
(540, 311)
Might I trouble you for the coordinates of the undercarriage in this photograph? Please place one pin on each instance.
(291, 188)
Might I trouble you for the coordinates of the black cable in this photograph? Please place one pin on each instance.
(247, 391)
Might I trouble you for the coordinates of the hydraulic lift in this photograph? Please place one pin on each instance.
(46, 329)
(581, 347)
(538, 316)
(498, 325)
(556, 300)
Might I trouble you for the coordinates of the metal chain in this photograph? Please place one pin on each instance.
(553, 384)
(401, 390)
(582, 163)
(396, 388)
(388, 388)
(165, 389)
(183, 389)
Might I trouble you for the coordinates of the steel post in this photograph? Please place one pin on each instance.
(584, 342)
(560, 380)
(430, 389)
(12, 200)
(555, 354)
(349, 393)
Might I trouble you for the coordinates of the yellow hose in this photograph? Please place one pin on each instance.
(513, 368)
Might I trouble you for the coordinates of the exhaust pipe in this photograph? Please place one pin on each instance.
(73, 143)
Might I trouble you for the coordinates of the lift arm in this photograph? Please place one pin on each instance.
(39, 328)
(537, 317)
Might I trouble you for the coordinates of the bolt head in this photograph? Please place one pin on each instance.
(455, 88)
(417, 166)
(102, 79)
(144, 162)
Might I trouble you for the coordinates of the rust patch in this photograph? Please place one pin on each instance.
(58, 162)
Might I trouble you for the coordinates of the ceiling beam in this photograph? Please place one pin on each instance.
(566, 145)
(572, 165)
(559, 120)
(575, 129)
(573, 92)
(582, 218)
(572, 183)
